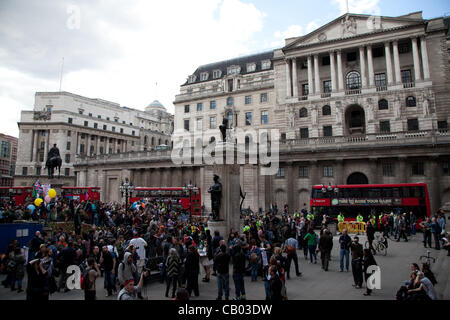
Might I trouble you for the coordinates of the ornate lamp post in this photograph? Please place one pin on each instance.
(126, 189)
(190, 188)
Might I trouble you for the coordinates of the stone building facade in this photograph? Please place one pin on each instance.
(8, 158)
(359, 100)
(84, 126)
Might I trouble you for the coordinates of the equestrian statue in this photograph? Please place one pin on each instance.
(53, 161)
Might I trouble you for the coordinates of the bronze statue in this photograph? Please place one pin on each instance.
(223, 128)
(53, 161)
(216, 194)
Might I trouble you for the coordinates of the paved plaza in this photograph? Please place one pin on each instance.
(314, 284)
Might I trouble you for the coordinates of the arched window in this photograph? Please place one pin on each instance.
(411, 101)
(326, 110)
(153, 141)
(303, 113)
(383, 104)
(353, 80)
(230, 118)
(159, 141)
(166, 142)
(145, 140)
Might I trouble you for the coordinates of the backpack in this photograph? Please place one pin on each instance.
(289, 250)
(84, 280)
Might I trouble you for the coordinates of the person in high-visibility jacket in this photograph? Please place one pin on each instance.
(310, 217)
(246, 229)
(340, 217)
(359, 218)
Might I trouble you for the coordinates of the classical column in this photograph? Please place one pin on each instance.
(288, 79)
(398, 74)
(403, 170)
(317, 74)
(415, 50)
(434, 184)
(290, 188)
(310, 76)
(370, 66)
(35, 146)
(333, 72)
(426, 67)
(294, 77)
(314, 177)
(339, 180)
(340, 74)
(387, 50)
(362, 61)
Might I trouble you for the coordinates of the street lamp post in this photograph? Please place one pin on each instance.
(190, 188)
(126, 189)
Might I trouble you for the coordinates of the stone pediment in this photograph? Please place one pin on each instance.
(350, 25)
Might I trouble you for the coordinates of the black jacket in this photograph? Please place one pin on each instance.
(191, 265)
(325, 243)
(239, 263)
(222, 263)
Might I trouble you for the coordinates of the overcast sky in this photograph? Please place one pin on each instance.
(118, 50)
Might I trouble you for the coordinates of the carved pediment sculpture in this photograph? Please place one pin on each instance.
(42, 115)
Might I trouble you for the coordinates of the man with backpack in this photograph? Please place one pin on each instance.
(290, 247)
(127, 269)
(88, 280)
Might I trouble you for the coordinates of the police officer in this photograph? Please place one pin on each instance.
(359, 218)
(340, 218)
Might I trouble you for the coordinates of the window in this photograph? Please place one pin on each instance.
(186, 108)
(263, 97)
(186, 125)
(446, 168)
(121, 130)
(406, 76)
(101, 150)
(304, 64)
(248, 99)
(99, 116)
(303, 172)
(107, 118)
(24, 171)
(212, 122)
(133, 133)
(68, 145)
(38, 171)
(69, 133)
(304, 133)
(251, 67)
(69, 120)
(217, 74)
(411, 101)
(388, 169)
(326, 61)
(378, 52)
(67, 158)
(204, 76)
(102, 139)
(351, 56)
(418, 169)
(265, 64)
(67, 171)
(385, 126)
(326, 110)
(380, 80)
(6, 146)
(404, 47)
(123, 122)
(110, 151)
(230, 101)
(353, 80)
(303, 113)
(281, 173)
(82, 136)
(442, 125)
(191, 79)
(413, 124)
(327, 131)
(113, 129)
(283, 137)
(110, 140)
(118, 142)
(234, 70)
(212, 105)
(95, 125)
(81, 148)
(105, 127)
(305, 89)
(383, 104)
(327, 171)
(200, 106)
(264, 117)
(200, 124)
(248, 118)
(327, 88)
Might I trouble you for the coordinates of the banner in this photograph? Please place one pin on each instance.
(45, 188)
(366, 202)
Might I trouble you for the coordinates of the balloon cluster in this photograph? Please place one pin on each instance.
(50, 195)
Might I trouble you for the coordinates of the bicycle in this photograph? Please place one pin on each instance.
(379, 244)
(428, 258)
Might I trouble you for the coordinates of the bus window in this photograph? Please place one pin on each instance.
(405, 192)
(396, 192)
(355, 193)
(386, 193)
(421, 191)
(374, 193)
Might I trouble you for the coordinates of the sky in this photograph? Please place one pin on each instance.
(135, 51)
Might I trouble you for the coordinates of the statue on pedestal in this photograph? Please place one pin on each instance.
(370, 110)
(291, 116)
(223, 129)
(426, 106)
(216, 194)
(53, 161)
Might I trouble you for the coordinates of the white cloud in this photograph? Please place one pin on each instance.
(313, 25)
(294, 30)
(122, 50)
(358, 6)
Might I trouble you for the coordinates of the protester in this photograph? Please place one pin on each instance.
(368, 260)
(344, 241)
(357, 268)
(172, 267)
(325, 247)
(129, 291)
(91, 275)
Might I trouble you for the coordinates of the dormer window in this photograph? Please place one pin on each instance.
(234, 70)
(192, 79)
(217, 74)
(204, 76)
(265, 64)
(80, 110)
(251, 67)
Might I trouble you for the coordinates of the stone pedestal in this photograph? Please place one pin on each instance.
(229, 177)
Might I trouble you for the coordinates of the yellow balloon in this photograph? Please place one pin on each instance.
(52, 193)
(38, 202)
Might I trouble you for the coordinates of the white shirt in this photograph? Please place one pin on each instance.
(429, 288)
(140, 245)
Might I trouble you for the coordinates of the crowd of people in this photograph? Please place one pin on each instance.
(122, 246)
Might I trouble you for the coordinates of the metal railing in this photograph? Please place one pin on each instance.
(352, 92)
(407, 85)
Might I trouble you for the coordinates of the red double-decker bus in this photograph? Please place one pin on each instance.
(81, 193)
(179, 197)
(371, 199)
(21, 195)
